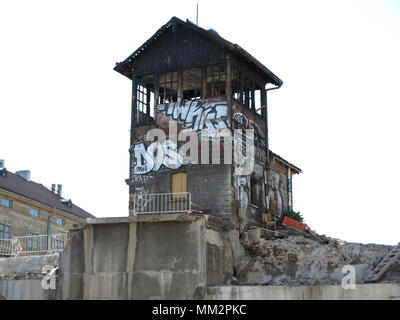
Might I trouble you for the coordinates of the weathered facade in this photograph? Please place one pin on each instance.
(195, 256)
(203, 85)
(29, 208)
(207, 87)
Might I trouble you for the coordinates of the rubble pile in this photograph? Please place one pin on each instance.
(290, 257)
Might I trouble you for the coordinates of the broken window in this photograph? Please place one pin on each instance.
(240, 84)
(192, 81)
(145, 99)
(241, 87)
(168, 87)
(246, 93)
(253, 191)
(245, 90)
(216, 81)
(257, 101)
(141, 97)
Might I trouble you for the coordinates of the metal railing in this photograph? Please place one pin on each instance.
(33, 244)
(6, 246)
(162, 203)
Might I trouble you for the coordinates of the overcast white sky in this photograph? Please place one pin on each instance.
(65, 113)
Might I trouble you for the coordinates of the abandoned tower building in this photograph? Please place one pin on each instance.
(207, 198)
(205, 85)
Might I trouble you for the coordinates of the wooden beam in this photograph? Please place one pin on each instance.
(263, 101)
(180, 87)
(204, 82)
(148, 100)
(253, 102)
(134, 118)
(249, 71)
(156, 92)
(228, 89)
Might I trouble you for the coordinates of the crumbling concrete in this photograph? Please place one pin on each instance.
(146, 257)
(184, 256)
(26, 267)
(299, 259)
(21, 277)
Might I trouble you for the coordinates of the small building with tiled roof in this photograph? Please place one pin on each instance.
(30, 208)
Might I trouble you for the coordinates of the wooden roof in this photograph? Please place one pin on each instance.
(125, 66)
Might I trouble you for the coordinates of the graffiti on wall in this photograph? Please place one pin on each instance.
(244, 190)
(141, 178)
(156, 155)
(259, 137)
(195, 114)
(275, 201)
(206, 122)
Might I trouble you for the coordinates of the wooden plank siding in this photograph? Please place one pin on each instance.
(182, 48)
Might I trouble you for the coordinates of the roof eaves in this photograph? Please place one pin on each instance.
(122, 66)
(239, 50)
(287, 163)
(275, 79)
(45, 203)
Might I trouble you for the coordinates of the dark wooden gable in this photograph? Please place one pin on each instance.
(178, 47)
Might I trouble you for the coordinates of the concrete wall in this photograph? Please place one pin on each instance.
(189, 256)
(380, 291)
(24, 289)
(154, 257)
(209, 185)
(14, 266)
(21, 277)
(146, 257)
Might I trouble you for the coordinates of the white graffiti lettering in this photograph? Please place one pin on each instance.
(196, 115)
(259, 137)
(156, 155)
(141, 178)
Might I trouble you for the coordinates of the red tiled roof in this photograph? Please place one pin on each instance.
(37, 192)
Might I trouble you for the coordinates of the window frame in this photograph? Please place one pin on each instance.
(216, 81)
(167, 92)
(5, 231)
(195, 75)
(4, 200)
(62, 221)
(34, 212)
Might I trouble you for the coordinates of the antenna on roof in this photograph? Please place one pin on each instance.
(197, 14)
